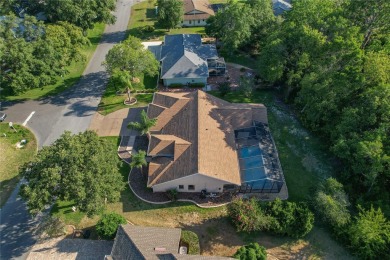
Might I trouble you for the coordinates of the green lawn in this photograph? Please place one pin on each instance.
(112, 102)
(143, 14)
(75, 70)
(12, 158)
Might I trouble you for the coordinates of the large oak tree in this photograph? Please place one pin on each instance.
(82, 168)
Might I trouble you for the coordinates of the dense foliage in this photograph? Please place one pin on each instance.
(34, 54)
(82, 168)
(108, 224)
(331, 59)
(131, 56)
(331, 203)
(280, 217)
(82, 13)
(238, 24)
(370, 234)
(170, 13)
(253, 251)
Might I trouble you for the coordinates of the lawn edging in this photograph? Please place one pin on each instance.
(169, 201)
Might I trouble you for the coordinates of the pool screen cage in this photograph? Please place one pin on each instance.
(259, 164)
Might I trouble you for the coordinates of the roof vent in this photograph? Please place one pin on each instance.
(160, 249)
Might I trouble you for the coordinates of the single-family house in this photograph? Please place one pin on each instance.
(185, 60)
(138, 243)
(196, 12)
(201, 142)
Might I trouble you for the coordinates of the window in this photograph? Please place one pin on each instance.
(191, 187)
(181, 187)
(198, 21)
(189, 21)
(203, 20)
(193, 80)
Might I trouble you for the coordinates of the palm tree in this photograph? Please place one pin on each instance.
(124, 79)
(144, 125)
(138, 160)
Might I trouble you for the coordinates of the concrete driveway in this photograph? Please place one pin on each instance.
(115, 124)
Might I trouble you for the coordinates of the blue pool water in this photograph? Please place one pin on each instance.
(249, 151)
(251, 163)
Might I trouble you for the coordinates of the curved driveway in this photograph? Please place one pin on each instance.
(71, 110)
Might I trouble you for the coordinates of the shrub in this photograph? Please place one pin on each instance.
(172, 194)
(253, 251)
(242, 69)
(248, 216)
(331, 204)
(291, 219)
(176, 85)
(370, 234)
(224, 88)
(192, 240)
(196, 85)
(108, 225)
(148, 28)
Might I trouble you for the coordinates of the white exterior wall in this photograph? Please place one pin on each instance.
(194, 23)
(184, 81)
(200, 182)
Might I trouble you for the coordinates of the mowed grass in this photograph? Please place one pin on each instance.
(111, 101)
(11, 158)
(144, 14)
(217, 235)
(75, 70)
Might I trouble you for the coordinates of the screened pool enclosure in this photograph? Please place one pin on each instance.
(259, 163)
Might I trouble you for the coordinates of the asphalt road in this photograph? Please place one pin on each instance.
(48, 119)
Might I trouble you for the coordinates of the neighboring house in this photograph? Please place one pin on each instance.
(136, 242)
(196, 12)
(281, 6)
(201, 142)
(185, 60)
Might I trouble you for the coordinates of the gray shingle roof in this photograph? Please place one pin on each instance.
(136, 242)
(184, 56)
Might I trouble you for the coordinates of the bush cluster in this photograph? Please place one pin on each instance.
(253, 251)
(108, 225)
(279, 217)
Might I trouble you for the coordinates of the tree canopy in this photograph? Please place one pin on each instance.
(242, 23)
(332, 60)
(82, 13)
(170, 13)
(82, 168)
(34, 54)
(131, 56)
(370, 234)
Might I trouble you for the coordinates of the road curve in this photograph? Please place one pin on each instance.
(71, 110)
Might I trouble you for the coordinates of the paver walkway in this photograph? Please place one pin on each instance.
(126, 148)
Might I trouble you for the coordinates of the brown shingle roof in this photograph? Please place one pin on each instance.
(199, 5)
(204, 127)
